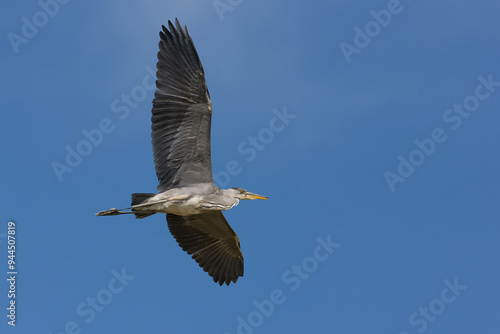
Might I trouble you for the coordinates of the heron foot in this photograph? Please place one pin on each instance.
(110, 212)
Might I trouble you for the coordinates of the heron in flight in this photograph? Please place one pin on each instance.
(181, 120)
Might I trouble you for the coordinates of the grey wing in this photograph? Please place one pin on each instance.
(181, 113)
(211, 242)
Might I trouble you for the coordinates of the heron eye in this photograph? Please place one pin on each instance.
(242, 191)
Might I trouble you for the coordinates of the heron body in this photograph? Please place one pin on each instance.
(181, 122)
(188, 201)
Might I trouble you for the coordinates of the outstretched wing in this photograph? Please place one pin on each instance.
(181, 113)
(211, 242)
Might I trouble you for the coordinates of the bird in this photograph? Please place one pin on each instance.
(181, 122)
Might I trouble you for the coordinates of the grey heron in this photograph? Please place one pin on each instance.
(181, 119)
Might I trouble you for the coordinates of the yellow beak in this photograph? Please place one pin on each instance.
(255, 196)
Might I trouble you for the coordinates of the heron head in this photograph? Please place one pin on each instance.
(244, 194)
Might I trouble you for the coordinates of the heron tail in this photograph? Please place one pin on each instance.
(137, 199)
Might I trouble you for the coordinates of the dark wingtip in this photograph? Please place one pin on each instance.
(170, 25)
(221, 279)
(164, 33)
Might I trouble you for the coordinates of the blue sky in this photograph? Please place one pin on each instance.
(381, 169)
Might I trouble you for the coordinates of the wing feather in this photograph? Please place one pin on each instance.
(181, 114)
(211, 242)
